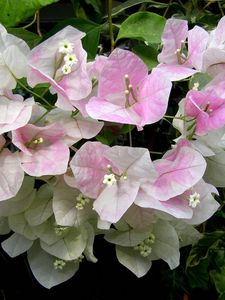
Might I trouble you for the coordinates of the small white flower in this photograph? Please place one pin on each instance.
(195, 86)
(81, 201)
(109, 179)
(65, 47)
(194, 199)
(59, 264)
(66, 69)
(70, 59)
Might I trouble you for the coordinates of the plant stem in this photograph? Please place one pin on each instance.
(155, 152)
(110, 24)
(220, 8)
(31, 23)
(38, 23)
(35, 94)
(130, 136)
(168, 6)
(41, 117)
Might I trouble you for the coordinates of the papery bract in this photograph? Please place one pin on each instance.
(175, 62)
(13, 59)
(89, 166)
(42, 150)
(208, 110)
(11, 174)
(46, 63)
(127, 94)
(178, 171)
(76, 127)
(134, 166)
(15, 112)
(214, 55)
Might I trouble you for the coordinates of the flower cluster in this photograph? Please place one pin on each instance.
(57, 194)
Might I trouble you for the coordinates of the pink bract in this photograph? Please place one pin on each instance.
(134, 167)
(45, 62)
(15, 112)
(89, 166)
(127, 94)
(42, 150)
(174, 61)
(208, 110)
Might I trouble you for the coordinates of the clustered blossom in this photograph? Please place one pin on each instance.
(57, 188)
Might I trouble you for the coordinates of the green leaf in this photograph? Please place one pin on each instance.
(201, 78)
(221, 297)
(209, 243)
(16, 244)
(126, 128)
(42, 267)
(127, 4)
(41, 208)
(32, 39)
(198, 276)
(133, 261)
(96, 4)
(148, 54)
(145, 26)
(90, 41)
(14, 12)
(219, 280)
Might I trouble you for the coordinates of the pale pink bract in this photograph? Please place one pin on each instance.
(43, 151)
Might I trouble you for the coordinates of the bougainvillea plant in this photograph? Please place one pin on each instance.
(71, 165)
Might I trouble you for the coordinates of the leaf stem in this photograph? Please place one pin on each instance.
(35, 94)
(31, 23)
(41, 117)
(130, 136)
(168, 7)
(38, 23)
(110, 24)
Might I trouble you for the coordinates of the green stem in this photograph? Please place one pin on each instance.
(31, 23)
(168, 7)
(155, 152)
(35, 94)
(220, 8)
(130, 136)
(41, 117)
(110, 24)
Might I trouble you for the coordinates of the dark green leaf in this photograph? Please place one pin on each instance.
(219, 280)
(198, 276)
(96, 4)
(145, 26)
(148, 54)
(209, 243)
(30, 38)
(201, 78)
(222, 297)
(127, 4)
(126, 128)
(14, 11)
